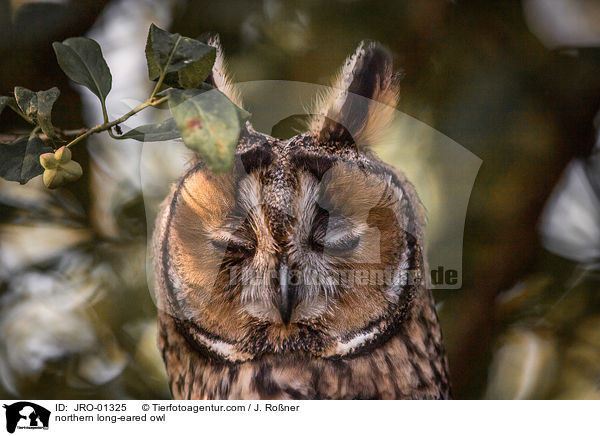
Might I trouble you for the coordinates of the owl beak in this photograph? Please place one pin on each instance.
(287, 294)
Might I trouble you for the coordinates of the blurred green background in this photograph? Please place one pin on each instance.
(517, 83)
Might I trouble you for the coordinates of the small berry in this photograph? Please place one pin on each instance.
(59, 168)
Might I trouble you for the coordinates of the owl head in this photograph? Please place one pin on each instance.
(310, 244)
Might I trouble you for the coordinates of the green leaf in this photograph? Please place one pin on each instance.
(5, 101)
(11, 103)
(27, 101)
(243, 114)
(209, 124)
(164, 131)
(81, 59)
(38, 106)
(20, 161)
(290, 126)
(46, 100)
(188, 62)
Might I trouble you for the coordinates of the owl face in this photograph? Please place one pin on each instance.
(307, 243)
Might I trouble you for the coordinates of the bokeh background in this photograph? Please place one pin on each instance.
(517, 83)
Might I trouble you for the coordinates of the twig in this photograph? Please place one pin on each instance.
(7, 138)
(107, 126)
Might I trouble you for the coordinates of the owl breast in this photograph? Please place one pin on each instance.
(408, 365)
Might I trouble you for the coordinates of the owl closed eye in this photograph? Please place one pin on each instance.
(299, 274)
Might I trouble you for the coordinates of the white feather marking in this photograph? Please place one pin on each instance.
(357, 341)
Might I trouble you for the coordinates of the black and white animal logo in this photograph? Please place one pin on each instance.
(26, 415)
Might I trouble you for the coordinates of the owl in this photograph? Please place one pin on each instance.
(300, 274)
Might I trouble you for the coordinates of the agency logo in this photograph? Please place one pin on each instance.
(441, 171)
(26, 415)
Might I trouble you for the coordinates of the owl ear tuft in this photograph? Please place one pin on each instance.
(220, 77)
(362, 101)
